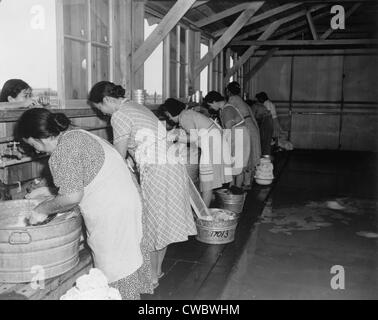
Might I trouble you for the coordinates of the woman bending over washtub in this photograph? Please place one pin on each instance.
(215, 162)
(90, 173)
(164, 185)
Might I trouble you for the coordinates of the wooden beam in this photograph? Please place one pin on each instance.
(326, 34)
(199, 3)
(265, 15)
(305, 42)
(251, 50)
(300, 24)
(165, 26)
(184, 22)
(284, 20)
(311, 25)
(259, 65)
(228, 35)
(221, 15)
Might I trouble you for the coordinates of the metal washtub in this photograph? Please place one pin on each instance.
(52, 248)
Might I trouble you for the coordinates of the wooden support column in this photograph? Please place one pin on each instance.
(169, 21)
(166, 67)
(228, 35)
(220, 73)
(178, 64)
(251, 50)
(215, 73)
(210, 80)
(197, 59)
(137, 40)
(188, 60)
(311, 25)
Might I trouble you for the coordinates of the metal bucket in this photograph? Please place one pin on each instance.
(232, 202)
(216, 232)
(41, 251)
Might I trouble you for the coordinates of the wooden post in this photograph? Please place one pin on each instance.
(178, 65)
(137, 40)
(166, 67)
(210, 81)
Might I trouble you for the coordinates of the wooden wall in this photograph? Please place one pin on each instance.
(326, 101)
(27, 171)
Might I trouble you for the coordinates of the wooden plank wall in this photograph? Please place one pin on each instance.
(33, 169)
(319, 93)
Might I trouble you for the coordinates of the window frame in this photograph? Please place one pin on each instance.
(90, 44)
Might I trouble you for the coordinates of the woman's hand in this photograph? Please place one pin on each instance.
(37, 218)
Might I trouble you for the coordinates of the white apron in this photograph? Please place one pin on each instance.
(112, 211)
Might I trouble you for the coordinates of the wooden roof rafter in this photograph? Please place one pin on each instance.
(283, 20)
(221, 15)
(228, 36)
(266, 15)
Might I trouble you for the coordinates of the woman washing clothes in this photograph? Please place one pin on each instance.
(262, 97)
(265, 122)
(90, 173)
(238, 133)
(207, 134)
(164, 185)
(233, 91)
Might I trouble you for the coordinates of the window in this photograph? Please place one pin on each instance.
(28, 39)
(87, 45)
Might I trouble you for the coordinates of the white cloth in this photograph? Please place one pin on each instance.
(112, 211)
(92, 286)
(271, 107)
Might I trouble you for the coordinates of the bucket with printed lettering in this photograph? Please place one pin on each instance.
(218, 228)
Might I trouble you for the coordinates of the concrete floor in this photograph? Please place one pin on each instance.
(298, 265)
(260, 264)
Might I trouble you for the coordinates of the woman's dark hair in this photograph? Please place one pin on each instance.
(40, 123)
(12, 88)
(234, 88)
(262, 97)
(213, 96)
(105, 89)
(173, 106)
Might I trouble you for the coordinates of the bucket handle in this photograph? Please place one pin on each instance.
(20, 237)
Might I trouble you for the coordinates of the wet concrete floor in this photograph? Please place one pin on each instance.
(294, 264)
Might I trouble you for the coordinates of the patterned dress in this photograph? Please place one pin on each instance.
(74, 164)
(165, 188)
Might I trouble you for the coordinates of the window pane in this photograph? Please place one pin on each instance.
(76, 18)
(100, 64)
(75, 69)
(100, 20)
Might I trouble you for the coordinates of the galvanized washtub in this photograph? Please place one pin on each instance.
(50, 250)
